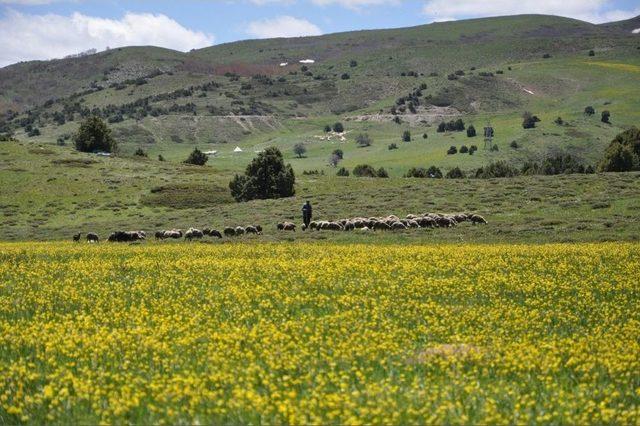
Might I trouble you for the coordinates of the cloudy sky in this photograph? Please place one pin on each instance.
(45, 29)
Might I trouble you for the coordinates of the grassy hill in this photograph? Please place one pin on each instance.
(484, 71)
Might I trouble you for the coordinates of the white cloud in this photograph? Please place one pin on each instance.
(592, 11)
(282, 26)
(357, 4)
(26, 37)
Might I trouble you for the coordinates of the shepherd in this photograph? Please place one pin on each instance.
(307, 212)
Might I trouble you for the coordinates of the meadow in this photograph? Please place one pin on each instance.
(319, 333)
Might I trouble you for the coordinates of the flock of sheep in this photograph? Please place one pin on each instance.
(387, 223)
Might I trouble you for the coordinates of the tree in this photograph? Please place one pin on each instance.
(623, 153)
(589, 110)
(94, 135)
(592, 53)
(559, 121)
(197, 158)
(425, 136)
(382, 173)
(452, 150)
(342, 172)
(338, 127)
(327, 128)
(160, 157)
(464, 149)
(363, 140)
(471, 131)
(338, 153)
(353, 63)
(345, 76)
(392, 146)
(458, 125)
(266, 177)
(442, 127)
(299, 149)
(406, 136)
(140, 153)
(605, 116)
(514, 145)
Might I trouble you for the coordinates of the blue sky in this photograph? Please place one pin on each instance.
(45, 29)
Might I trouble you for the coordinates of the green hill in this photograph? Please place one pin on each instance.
(379, 82)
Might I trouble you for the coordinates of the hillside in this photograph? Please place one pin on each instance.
(378, 82)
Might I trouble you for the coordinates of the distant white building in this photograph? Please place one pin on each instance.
(238, 149)
(307, 61)
(284, 64)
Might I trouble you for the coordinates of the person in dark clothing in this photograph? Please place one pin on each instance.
(307, 212)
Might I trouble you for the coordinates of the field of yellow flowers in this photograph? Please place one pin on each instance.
(319, 333)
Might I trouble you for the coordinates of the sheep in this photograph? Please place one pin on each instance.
(160, 235)
(381, 226)
(332, 226)
(477, 219)
(286, 226)
(229, 232)
(349, 226)
(92, 238)
(215, 233)
(251, 230)
(239, 230)
(427, 222)
(258, 228)
(412, 224)
(398, 225)
(193, 233)
(77, 237)
(174, 234)
(126, 236)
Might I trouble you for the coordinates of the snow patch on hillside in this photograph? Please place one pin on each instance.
(636, 31)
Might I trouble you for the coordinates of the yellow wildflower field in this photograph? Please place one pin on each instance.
(319, 333)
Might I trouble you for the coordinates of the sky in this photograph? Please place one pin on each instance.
(48, 29)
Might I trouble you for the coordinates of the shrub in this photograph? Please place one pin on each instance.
(338, 127)
(494, 148)
(382, 173)
(425, 136)
(397, 120)
(455, 173)
(546, 56)
(406, 136)
(160, 157)
(452, 150)
(420, 172)
(589, 110)
(464, 149)
(353, 63)
(338, 153)
(266, 177)
(392, 146)
(471, 131)
(559, 121)
(60, 141)
(472, 149)
(442, 127)
(499, 169)
(592, 53)
(529, 120)
(458, 125)
(345, 76)
(94, 135)
(364, 170)
(363, 140)
(514, 145)
(623, 153)
(197, 158)
(605, 116)
(342, 172)
(327, 128)
(140, 153)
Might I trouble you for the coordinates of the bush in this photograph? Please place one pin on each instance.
(342, 172)
(353, 63)
(382, 173)
(266, 177)
(592, 53)
(60, 141)
(546, 56)
(494, 148)
(345, 76)
(363, 140)
(420, 172)
(425, 136)
(452, 150)
(455, 173)
(623, 153)
(397, 120)
(364, 170)
(472, 149)
(140, 153)
(559, 121)
(499, 169)
(605, 116)
(392, 146)
(442, 127)
(471, 131)
(94, 135)
(514, 145)
(327, 128)
(338, 127)
(338, 153)
(406, 136)
(464, 149)
(160, 157)
(529, 120)
(589, 110)
(197, 158)
(299, 149)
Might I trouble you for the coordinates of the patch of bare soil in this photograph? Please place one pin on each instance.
(429, 114)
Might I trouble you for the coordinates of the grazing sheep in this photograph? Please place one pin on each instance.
(229, 232)
(160, 235)
(215, 233)
(445, 222)
(398, 225)
(251, 230)
(174, 234)
(126, 236)
(239, 230)
(286, 226)
(427, 222)
(476, 218)
(193, 233)
(93, 238)
(77, 237)
(412, 224)
(332, 226)
(381, 226)
(349, 226)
